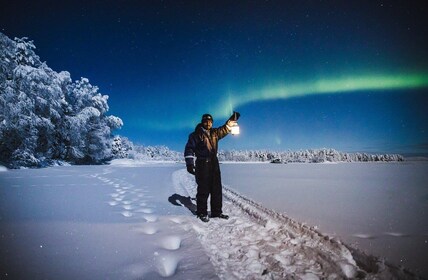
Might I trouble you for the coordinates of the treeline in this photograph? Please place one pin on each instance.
(304, 156)
(123, 148)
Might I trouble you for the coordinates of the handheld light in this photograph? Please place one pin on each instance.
(235, 129)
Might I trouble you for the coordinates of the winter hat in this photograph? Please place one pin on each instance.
(206, 117)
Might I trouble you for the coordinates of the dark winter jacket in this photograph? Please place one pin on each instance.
(203, 144)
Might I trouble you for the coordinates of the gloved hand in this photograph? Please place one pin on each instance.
(235, 116)
(231, 123)
(191, 169)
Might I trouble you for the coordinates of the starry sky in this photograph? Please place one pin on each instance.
(349, 75)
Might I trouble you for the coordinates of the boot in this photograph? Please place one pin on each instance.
(221, 216)
(203, 218)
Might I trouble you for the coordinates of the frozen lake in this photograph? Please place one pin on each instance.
(118, 221)
(381, 208)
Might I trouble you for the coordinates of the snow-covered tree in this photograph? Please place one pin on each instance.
(44, 115)
(141, 152)
(90, 129)
(121, 147)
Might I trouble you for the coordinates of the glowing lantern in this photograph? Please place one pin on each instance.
(235, 129)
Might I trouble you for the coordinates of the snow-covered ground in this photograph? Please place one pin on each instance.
(381, 208)
(126, 221)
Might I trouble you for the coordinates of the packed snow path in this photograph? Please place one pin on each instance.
(258, 243)
(123, 222)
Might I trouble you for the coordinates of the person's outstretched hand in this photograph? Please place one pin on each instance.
(235, 116)
(231, 123)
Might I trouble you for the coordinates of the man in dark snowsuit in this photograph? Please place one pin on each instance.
(203, 144)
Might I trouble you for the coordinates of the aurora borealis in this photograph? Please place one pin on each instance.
(342, 85)
(349, 75)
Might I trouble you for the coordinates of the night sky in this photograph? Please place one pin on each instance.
(349, 75)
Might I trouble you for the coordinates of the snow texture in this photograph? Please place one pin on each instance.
(258, 243)
(126, 221)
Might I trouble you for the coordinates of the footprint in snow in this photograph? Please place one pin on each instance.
(145, 210)
(172, 242)
(148, 229)
(166, 265)
(126, 214)
(113, 203)
(150, 218)
(127, 207)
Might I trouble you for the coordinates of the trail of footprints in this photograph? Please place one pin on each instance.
(132, 204)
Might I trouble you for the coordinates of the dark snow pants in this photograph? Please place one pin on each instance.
(208, 179)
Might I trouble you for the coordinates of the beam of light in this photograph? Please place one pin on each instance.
(231, 101)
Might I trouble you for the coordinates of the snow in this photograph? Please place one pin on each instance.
(46, 116)
(379, 208)
(127, 221)
(135, 163)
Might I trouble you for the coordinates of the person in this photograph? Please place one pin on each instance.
(203, 144)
